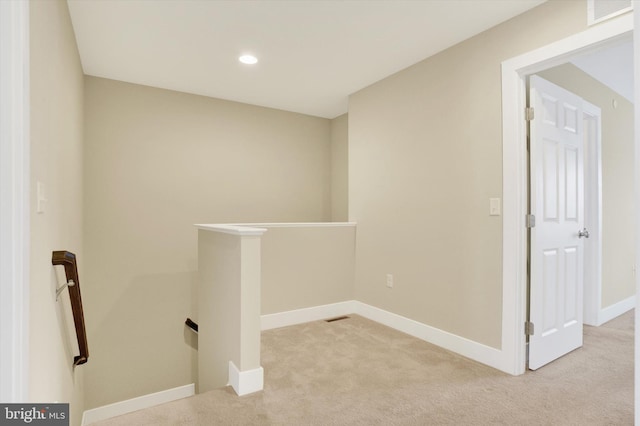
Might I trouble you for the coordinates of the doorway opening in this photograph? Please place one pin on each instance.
(581, 144)
(515, 242)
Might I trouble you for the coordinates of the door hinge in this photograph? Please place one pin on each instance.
(528, 328)
(529, 113)
(531, 221)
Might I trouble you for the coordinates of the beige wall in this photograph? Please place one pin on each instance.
(618, 246)
(156, 162)
(56, 162)
(425, 156)
(308, 266)
(339, 168)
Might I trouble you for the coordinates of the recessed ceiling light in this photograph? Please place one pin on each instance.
(248, 59)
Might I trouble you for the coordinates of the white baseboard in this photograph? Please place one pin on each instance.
(135, 404)
(460, 345)
(468, 348)
(245, 382)
(615, 310)
(300, 316)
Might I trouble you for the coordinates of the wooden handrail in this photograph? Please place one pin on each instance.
(68, 260)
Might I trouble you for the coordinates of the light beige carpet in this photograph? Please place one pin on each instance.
(357, 372)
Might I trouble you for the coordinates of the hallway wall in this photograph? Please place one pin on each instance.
(306, 266)
(56, 161)
(157, 162)
(425, 156)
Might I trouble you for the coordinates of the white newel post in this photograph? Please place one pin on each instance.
(229, 308)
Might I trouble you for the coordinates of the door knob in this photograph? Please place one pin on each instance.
(583, 234)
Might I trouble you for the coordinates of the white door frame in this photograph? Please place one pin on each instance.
(514, 174)
(14, 200)
(593, 214)
(636, 114)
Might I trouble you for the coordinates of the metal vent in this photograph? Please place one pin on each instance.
(601, 10)
(337, 318)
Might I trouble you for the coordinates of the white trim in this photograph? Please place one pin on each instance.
(636, 114)
(300, 316)
(298, 224)
(465, 347)
(615, 310)
(231, 229)
(135, 404)
(245, 382)
(260, 228)
(14, 201)
(593, 216)
(514, 242)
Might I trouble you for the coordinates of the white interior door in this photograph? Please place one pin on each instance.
(557, 201)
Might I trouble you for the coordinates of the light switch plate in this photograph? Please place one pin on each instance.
(494, 206)
(40, 197)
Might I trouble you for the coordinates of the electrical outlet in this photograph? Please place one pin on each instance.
(390, 280)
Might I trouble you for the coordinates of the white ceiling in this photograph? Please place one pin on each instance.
(312, 53)
(612, 66)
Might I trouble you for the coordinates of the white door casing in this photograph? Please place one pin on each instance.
(592, 131)
(636, 145)
(14, 201)
(557, 202)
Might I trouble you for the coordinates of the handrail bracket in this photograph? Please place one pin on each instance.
(59, 290)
